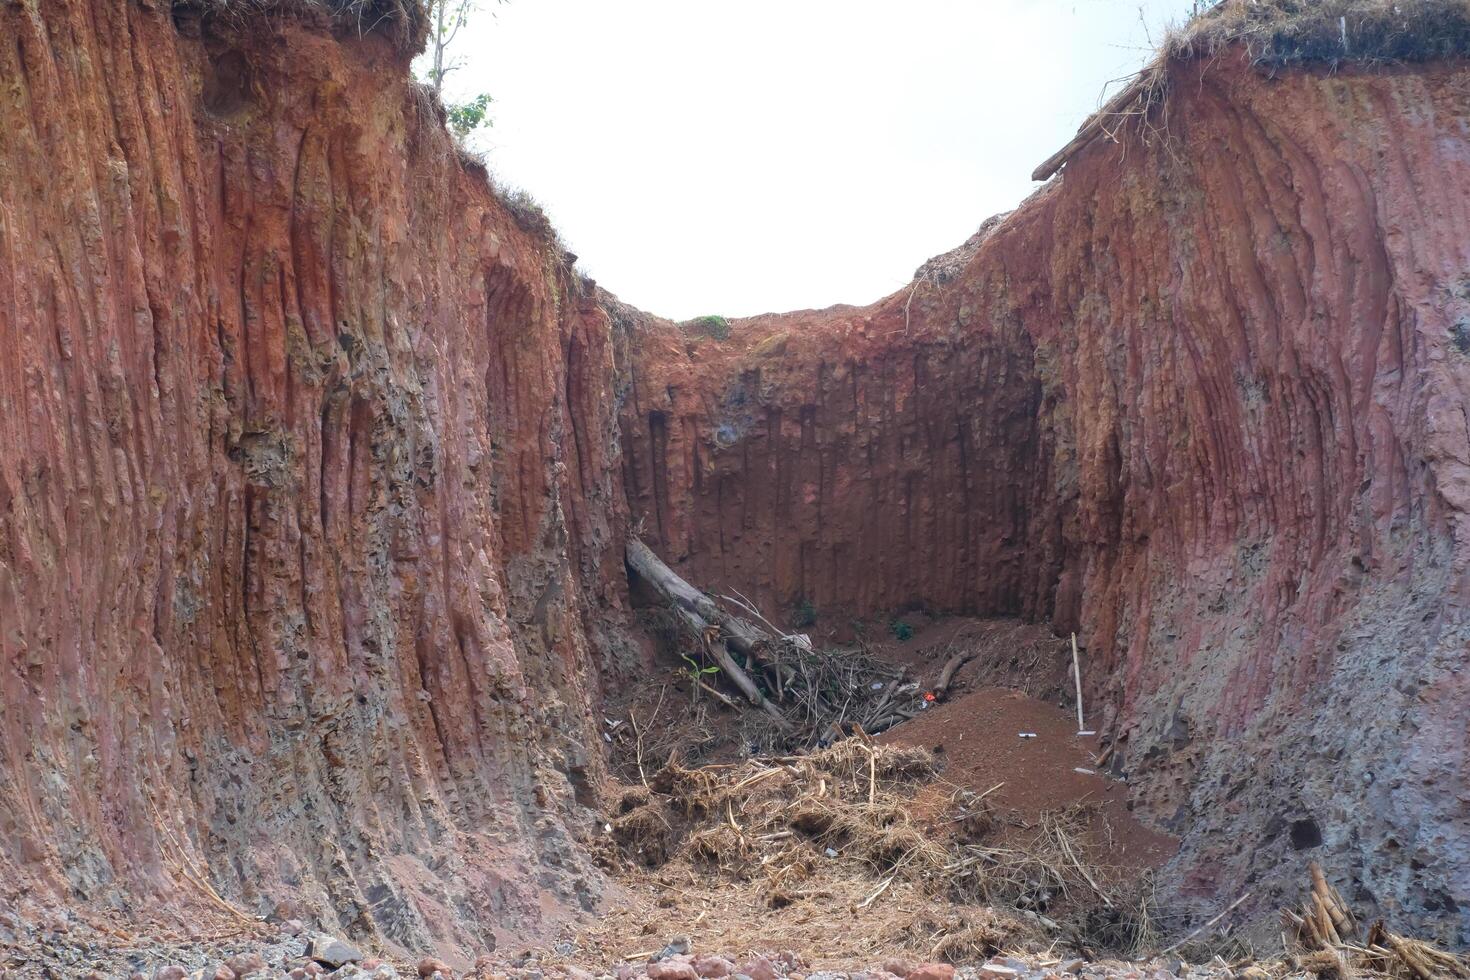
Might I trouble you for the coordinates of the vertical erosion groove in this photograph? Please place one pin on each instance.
(310, 501)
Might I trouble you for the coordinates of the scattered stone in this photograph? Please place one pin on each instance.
(712, 967)
(932, 971)
(671, 969)
(897, 967)
(428, 966)
(759, 968)
(678, 946)
(333, 952)
(245, 964)
(170, 973)
(1071, 966)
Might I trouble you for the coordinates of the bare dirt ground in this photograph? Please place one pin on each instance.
(978, 839)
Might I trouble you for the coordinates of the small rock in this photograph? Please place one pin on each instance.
(1071, 966)
(292, 927)
(998, 971)
(428, 966)
(760, 968)
(788, 959)
(333, 952)
(576, 973)
(931, 971)
(671, 969)
(170, 973)
(627, 971)
(244, 964)
(712, 967)
(897, 967)
(677, 946)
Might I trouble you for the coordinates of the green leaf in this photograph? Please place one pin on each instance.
(466, 117)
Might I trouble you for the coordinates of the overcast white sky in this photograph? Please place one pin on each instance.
(711, 156)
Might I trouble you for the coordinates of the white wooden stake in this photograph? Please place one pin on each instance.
(1077, 676)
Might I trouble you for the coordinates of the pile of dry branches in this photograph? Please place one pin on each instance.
(1327, 929)
(809, 695)
(840, 824)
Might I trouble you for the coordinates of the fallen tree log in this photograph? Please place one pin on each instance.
(715, 628)
(946, 676)
(744, 637)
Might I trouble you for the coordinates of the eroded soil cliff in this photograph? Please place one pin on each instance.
(319, 461)
(310, 541)
(1202, 399)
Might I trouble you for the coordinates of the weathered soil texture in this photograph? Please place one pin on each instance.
(1204, 399)
(1028, 759)
(310, 520)
(318, 461)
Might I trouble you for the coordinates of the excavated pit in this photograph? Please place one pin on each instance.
(321, 459)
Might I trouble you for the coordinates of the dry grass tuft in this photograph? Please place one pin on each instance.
(403, 22)
(645, 832)
(841, 823)
(954, 936)
(1285, 33)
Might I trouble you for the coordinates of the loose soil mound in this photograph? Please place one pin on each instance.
(979, 737)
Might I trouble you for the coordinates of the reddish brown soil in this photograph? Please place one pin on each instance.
(1202, 398)
(978, 736)
(1006, 652)
(312, 509)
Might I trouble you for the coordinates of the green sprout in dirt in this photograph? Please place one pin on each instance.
(696, 673)
(901, 630)
(804, 614)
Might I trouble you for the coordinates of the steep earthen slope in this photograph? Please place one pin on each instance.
(312, 502)
(310, 534)
(1204, 399)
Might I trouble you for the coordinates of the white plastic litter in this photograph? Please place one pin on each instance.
(1085, 772)
(1027, 734)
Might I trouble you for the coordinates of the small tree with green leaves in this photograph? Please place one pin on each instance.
(466, 117)
(446, 19)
